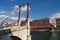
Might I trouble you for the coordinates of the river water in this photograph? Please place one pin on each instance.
(45, 35)
(36, 35)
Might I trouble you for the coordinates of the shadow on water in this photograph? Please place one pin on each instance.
(45, 35)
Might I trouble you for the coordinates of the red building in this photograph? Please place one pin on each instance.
(42, 26)
(41, 23)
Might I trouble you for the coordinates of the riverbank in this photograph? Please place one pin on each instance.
(46, 30)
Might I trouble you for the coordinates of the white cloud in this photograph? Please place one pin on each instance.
(10, 19)
(56, 15)
(16, 9)
(16, 6)
(23, 8)
(3, 16)
(2, 11)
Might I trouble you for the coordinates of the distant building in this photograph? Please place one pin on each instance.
(41, 23)
(58, 22)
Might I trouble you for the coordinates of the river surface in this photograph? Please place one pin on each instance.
(36, 35)
(45, 35)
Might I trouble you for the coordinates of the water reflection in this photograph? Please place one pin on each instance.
(54, 36)
(6, 38)
(45, 35)
(40, 36)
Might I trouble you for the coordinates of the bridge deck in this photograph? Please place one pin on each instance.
(11, 29)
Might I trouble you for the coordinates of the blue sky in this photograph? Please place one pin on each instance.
(38, 8)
